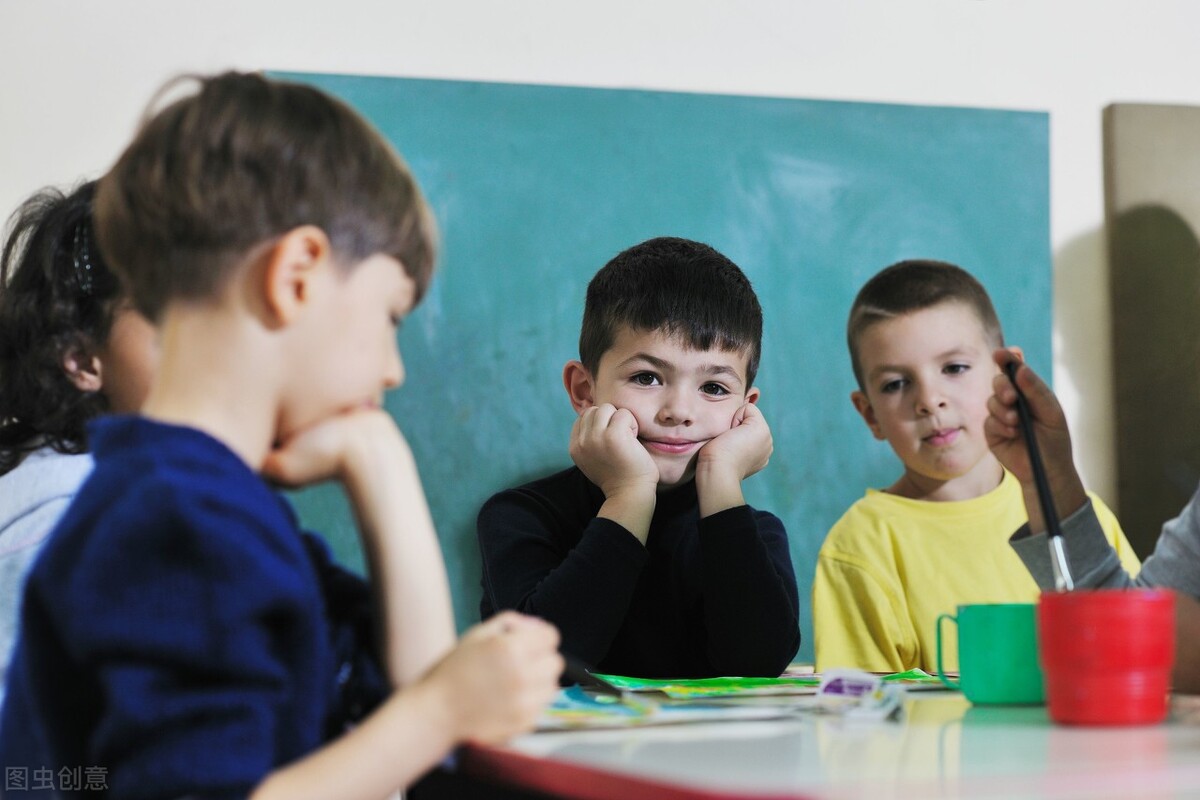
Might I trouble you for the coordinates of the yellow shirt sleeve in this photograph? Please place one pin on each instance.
(856, 620)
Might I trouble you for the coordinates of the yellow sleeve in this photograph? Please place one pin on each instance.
(1116, 536)
(855, 619)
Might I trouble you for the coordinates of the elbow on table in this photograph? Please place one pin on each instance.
(754, 660)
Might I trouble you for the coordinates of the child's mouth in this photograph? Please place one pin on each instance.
(942, 438)
(670, 446)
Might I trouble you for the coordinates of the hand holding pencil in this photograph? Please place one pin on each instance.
(1003, 431)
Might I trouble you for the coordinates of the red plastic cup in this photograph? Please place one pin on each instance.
(1107, 655)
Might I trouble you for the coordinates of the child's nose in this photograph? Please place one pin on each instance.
(393, 373)
(676, 409)
(929, 399)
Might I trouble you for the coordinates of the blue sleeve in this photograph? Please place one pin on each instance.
(362, 682)
(751, 605)
(200, 631)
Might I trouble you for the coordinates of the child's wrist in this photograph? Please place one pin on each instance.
(441, 705)
(717, 475)
(1068, 496)
(373, 445)
(632, 509)
(631, 491)
(718, 488)
(634, 498)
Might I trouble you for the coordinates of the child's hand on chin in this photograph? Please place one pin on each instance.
(604, 445)
(744, 449)
(323, 451)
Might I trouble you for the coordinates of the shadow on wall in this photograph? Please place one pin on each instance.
(1083, 343)
(1155, 284)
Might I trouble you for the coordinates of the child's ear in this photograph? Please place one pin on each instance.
(83, 369)
(753, 395)
(291, 266)
(863, 406)
(578, 383)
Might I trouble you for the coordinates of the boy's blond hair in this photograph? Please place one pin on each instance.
(913, 285)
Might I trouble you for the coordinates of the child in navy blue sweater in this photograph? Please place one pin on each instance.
(179, 632)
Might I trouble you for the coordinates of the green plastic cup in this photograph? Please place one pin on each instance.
(997, 654)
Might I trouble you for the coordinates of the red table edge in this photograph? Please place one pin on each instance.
(579, 782)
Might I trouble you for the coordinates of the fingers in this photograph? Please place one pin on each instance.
(298, 463)
(745, 448)
(1004, 355)
(1004, 419)
(747, 413)
(605, 446)
(325, 449)
(278, 469)
(528, 637)
(996, 432)
(515, 675)
(1001, 385)
(623, 418)
(600, 419)
(537, 632)
(1043, 404)
(590, 429)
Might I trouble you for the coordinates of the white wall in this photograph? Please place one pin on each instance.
(74, 77)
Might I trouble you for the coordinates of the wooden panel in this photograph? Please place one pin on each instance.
(1152, 191)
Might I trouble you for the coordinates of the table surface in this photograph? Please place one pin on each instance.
(941, 746)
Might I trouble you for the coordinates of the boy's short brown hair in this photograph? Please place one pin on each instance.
(679, 286)
(241, 162)
(913, 285)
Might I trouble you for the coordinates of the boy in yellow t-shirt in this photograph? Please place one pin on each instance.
(921, 337)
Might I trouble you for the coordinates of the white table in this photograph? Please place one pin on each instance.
(943, 747)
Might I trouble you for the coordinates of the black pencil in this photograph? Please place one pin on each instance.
(577, 672)
(1058, 556)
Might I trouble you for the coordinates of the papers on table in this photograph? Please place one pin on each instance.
(638, 701)
(752, 687)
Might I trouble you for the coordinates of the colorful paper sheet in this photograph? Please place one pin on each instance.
(576, 708)
(750, 687)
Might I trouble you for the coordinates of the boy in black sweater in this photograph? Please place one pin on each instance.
(645, 554)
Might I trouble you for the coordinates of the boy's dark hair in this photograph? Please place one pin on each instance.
(241, 162)
(56, 295)
(913, 285)
(678, 286)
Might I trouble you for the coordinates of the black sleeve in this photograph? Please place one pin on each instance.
(584, 586)
(751, 605)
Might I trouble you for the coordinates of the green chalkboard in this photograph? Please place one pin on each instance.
(536, 187)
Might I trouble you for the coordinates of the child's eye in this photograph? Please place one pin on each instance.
(891, 387)
(956, 369)
(714, 389)
(645, 379)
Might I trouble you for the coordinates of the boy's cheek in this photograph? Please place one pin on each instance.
(878, 431)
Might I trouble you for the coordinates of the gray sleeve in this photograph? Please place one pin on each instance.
(1174, 564)
(20, 544)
